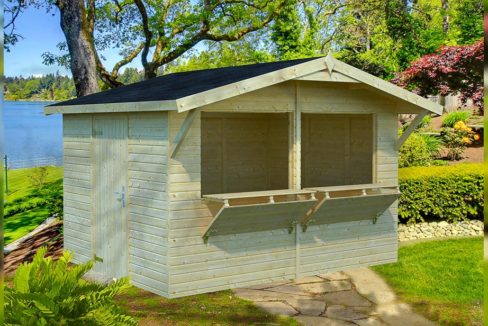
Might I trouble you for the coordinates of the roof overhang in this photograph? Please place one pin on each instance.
(113, 107)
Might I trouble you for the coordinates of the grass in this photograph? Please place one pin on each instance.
(450, 119)
(20, 188)
(441, 279)
(218, 308)
(20, 224)
(19, 184)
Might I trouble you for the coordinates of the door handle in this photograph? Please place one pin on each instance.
(122, 196)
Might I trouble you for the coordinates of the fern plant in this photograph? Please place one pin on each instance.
(47, 292)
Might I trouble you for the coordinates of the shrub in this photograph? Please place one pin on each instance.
(451, 118)
(47, 292)
(456, 139)
(426, 121)
(450, 193)
(23, 206)
(53, 194)
(49, 196)
(434, 144)
(414, 152)
(38, 176)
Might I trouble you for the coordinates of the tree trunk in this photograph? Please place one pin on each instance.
(79, 39)
(445, 16)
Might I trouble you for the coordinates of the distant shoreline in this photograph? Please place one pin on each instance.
(31, 100)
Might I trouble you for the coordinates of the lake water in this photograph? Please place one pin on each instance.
(30, 136)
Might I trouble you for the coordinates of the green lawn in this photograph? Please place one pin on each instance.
(19, 184)
(441, 279)
(20, 187)
(20, 224)
(219, 308)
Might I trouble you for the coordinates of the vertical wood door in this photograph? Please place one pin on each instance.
(110, 195)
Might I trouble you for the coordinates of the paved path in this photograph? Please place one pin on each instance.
(356, 297)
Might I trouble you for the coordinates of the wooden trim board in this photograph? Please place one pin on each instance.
(411, 128)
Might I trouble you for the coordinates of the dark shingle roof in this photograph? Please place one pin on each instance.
(178, 85)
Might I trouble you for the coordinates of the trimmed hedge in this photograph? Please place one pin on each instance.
(450, 193)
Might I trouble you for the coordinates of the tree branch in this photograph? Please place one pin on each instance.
(148, 35)
(126, 60)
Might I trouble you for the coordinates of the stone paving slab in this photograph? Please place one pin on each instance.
(370, 286)
(357, 297)
(277, 308)
(307, 306)
(346, 298)
(326, 286)
(371, 321)
(336, 276)
(343, 313)
(321, 321)
(289, 289)
(401, 314)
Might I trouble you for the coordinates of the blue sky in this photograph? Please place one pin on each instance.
(41, 31)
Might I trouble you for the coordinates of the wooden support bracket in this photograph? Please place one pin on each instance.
(414, 124)
(180, 136)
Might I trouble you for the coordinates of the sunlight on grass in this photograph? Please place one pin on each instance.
(19, 184)
(442, 279)
(20, 224)
(218, 308)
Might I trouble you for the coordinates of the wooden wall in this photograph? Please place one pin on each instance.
(336, 149)
(244, 152)
(147, 198)
(78, 185)
(245, 259)
(148, 201)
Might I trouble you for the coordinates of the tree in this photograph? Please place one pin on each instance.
(363, 39)
(467, 22)
(250, 49)
(156, 31)
(450, 70)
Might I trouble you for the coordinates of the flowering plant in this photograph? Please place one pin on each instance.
(457, 138)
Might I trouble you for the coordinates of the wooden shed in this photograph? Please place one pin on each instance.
(215, 179)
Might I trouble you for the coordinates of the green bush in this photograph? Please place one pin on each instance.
(414, 152)
(450, 193)
(434, 144)
(47, 292)
(426, 121)
(451, 118)
(49, 196)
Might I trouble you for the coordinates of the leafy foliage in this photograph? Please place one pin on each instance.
(451, 118)
(223, 54)
(38, 176)
(47, 292)
(450, 193)
(451, 70)
(467, 21)
(49, 196)
(456, 139)
(434, 145)
(414, 152)
(48, 87)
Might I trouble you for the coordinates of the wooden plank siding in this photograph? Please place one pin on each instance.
(244, 259)
(78, 185)
(148, 200)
